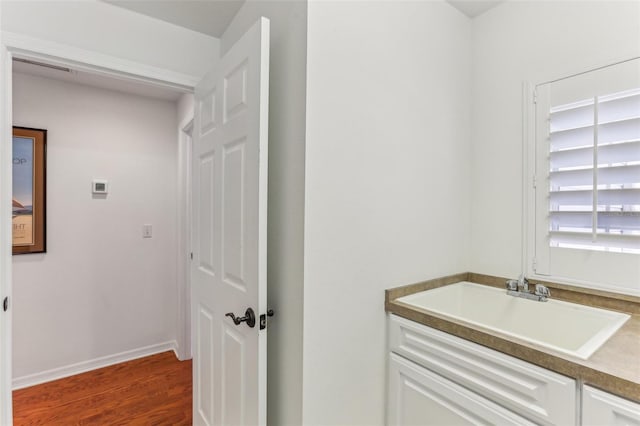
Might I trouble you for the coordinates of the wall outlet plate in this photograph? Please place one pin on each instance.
(99, 186)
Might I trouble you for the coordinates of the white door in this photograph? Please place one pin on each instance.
(229, 235)
(5, 237)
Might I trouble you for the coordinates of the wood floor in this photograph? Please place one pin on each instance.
(155, 390)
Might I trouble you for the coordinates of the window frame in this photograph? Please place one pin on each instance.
(536, 250)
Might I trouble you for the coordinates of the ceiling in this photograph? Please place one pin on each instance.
(96, 80)
(212, 17)
(209, 17)
(473, 8)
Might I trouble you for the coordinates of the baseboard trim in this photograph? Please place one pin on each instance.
(93, 364)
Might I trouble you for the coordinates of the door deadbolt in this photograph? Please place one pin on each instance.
(263, 319)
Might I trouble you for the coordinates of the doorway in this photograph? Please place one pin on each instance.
(235, 126)
(101, 289)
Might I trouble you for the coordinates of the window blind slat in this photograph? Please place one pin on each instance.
(618, 131)
(621, 221)
(570, 178)
(619, 108)
(571, 158)
(627, 197)
(573, 138)
(628, 242)
(616, 175)
(572, 118)
(627, 152)
(619, 175)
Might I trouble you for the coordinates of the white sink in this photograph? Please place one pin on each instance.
(569, 328)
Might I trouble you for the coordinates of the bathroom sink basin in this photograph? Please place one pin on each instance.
(565, 327)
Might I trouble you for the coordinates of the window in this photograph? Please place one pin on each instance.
(586, 179)
(597, 207)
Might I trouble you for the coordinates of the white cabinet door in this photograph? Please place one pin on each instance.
(418, 396)
(601, 408)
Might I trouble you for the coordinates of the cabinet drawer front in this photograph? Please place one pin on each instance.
(419, 397)
(602, 408)
(536, 393)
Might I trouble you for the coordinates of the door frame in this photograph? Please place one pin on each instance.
(25, 47)
(185, 253)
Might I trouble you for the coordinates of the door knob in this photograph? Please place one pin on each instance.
(249, 317)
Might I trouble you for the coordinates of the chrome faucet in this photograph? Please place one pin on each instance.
(520, 288)
(523, 284)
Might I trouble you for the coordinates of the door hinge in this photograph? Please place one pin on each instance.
(191, 255)
(263, 319)
(535, 96)
(534, 264)
(5, 304)
(535, 181)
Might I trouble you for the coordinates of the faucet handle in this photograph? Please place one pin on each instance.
(523, 283)
(512, 285)
(542, 290)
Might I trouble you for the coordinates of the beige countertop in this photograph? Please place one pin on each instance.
(615, 367)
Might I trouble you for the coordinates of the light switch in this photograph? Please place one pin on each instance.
(147, 231)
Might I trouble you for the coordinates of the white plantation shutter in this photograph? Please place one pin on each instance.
(596, 207)
(584, 223)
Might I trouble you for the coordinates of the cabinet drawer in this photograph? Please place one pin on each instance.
(419, 397)
(536, 393)
(602, 408)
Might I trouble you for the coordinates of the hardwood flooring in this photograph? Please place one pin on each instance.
(154, 390)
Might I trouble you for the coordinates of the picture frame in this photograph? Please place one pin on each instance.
(29, 190)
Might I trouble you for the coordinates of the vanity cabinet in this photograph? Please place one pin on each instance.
(602, 408)
(436, 378)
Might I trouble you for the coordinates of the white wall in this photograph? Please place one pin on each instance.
(531, 41)
(101, 289)
(109, 30)
(387, 185)
(286, 197)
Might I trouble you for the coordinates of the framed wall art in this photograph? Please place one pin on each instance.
(29, 190)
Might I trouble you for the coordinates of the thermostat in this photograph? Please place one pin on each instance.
(100, 186)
